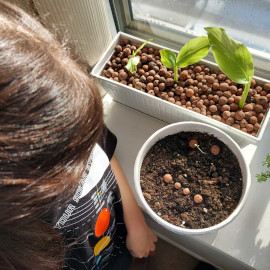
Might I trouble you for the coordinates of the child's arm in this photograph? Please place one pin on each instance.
(140, 238)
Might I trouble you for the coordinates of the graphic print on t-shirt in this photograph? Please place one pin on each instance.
(94, 216)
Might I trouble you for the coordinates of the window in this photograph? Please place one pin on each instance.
(173, 22)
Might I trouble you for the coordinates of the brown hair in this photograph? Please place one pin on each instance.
(50, 118)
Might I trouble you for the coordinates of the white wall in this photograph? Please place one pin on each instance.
(86, 23)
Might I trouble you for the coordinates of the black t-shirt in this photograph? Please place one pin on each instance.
(92, 222)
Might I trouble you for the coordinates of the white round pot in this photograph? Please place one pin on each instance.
(197, 127)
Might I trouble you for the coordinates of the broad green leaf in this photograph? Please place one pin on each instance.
(132, 64)
(232, 57)
(193, 51)
(148, 40)
(168, 58)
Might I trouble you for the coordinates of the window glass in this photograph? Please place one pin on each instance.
(247, 21)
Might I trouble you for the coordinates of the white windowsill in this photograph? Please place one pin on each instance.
(244, 243)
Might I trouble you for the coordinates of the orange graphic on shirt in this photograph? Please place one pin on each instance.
(102, 222)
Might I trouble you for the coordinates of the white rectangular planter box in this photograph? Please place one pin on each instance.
(159, 108)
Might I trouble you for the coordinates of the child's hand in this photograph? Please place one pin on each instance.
(141, 241)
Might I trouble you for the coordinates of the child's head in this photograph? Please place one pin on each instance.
(50, 118)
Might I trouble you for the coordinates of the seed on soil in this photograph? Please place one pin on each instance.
(198, 198)
(147, 195)
(177, 185)
(167, 178)
(215, 149)
(186, 191)
(209, 182)
(193, 143)
(213, 168)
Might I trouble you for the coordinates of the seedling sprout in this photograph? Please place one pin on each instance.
(199, 148)
(134, 61)
(190, 53)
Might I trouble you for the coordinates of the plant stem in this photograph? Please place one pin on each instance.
(198, 147)
(244, 95)
(175, 74)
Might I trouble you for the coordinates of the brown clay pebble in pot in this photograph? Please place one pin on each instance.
(243, 123)
(248, 107)
(167, 178)
(177, 185)
(151, 92)
(171, 99)
(223, 100)
(118, 48)
(262, 100)
(169, 82)
(186, 191)
(193, 143)
(239, 115)
(237, 99)
(150, 86)
(260, 117)
(223, 86)
(217, 117)
(258, 108)
(227, 94)
(122, 76)
(249, 127)
(225, 108)
(162, 86)
(266, 87)
(232, 89)
(138, 85)
(236, 126)
(226, 114)
(184, 75)
(213, 108)
(198, 198)
(197, 69)
(257, 126)
(234, 106)
(253, 120)
(189, 92)
(215, 149)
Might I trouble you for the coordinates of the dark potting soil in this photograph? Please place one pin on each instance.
(217, 178)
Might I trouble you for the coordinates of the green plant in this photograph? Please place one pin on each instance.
(233, 58)
(198, 147)
(190, 53)
(263, 176)
(134, 61)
